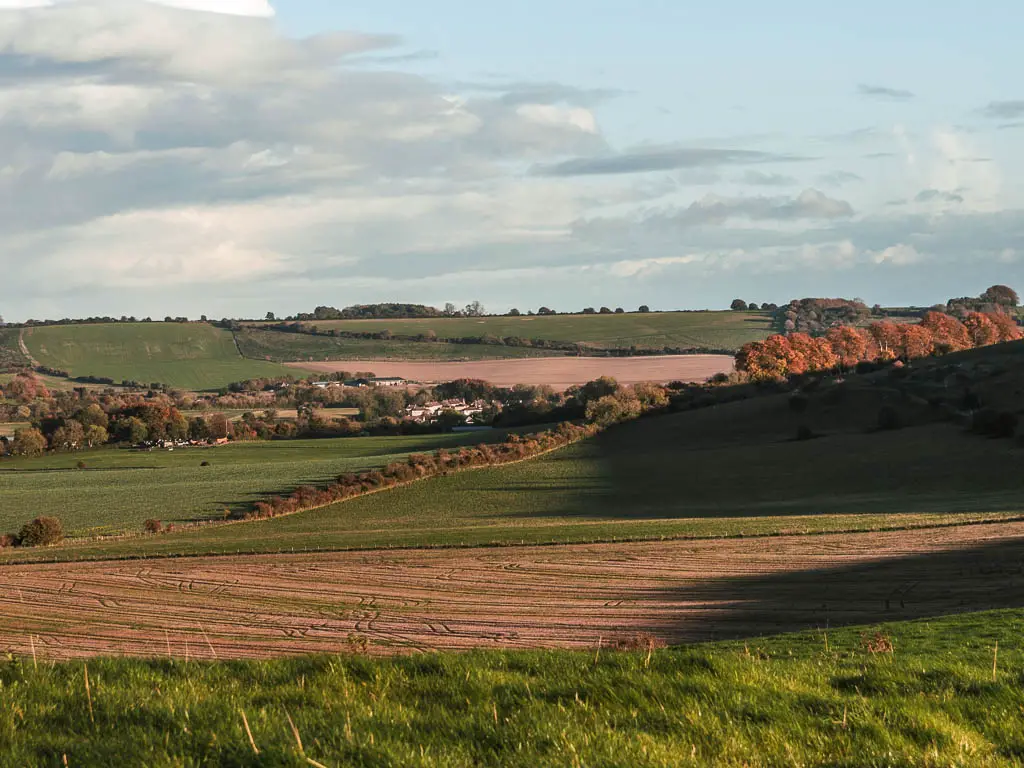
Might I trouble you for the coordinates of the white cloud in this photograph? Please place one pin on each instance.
(230, 7)
(898, 255)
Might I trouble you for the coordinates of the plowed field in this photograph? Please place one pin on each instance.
(557, 372)
(560, 596)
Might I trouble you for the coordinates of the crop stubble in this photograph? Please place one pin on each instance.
(561, 596)
(557, 372)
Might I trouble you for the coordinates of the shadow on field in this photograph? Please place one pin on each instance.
(680, 467)
(916, 586)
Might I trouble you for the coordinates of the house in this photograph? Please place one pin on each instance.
(377, 381)
(430, 411)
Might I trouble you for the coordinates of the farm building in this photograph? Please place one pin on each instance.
(375, 381)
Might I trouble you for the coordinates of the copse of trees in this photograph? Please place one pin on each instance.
(781, 355)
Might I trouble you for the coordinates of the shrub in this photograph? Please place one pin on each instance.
(153, 526)
(993, 423)
(41, 532)
(803, 432)
(8, 540)
(889, 418)
(798, 402)
(204, 464)
(80, 465)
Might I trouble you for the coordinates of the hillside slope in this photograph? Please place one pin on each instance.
(187, 355)
(721, 470)
(686, 330)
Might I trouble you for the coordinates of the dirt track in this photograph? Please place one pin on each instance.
(568, 596)
(558, 372)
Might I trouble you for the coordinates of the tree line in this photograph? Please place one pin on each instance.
(937, 333)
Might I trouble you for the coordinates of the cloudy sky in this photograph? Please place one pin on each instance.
(228, 157)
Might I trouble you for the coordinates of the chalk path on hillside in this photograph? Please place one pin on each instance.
(557, 372)
(569, 596)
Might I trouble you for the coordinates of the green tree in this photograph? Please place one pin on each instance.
(96, 435)
(135, 430)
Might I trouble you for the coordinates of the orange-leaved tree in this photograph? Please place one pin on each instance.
(948, 333)
(851, 345)
(981, 330)
(1006, 325)
(888, 338)
(817, 353)
(773, 358)
(917, 341)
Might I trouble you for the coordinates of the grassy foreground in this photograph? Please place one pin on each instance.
(186, 355)
(812, 699)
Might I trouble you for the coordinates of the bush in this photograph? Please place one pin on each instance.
(8, 540)
(803, 432)
(204, 464)
(80, 465)
(153, 526)
(889, 418)
(41, 532)
(798, 402)
(993, 423)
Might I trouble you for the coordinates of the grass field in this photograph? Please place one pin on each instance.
(711, 330)
(120, 489)
(10, 353)
(189, 356)
(292, 347)
(810, 699)
(717, 471)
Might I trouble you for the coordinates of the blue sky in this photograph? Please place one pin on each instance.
(163, 160)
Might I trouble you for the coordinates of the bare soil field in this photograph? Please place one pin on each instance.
(560, 596)
(557, 372)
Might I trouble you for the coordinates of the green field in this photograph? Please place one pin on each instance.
(289, 347)
(186, 355)
(10, 353)
(711, 330)
(811, 699)
(120, 488)
(722, 471)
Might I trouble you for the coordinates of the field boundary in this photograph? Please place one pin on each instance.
(1019, 518)
(24, 349)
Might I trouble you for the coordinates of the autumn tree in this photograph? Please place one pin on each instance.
(1005, 325)
(981, 330)
(650, 395)
(948, 333)
(817, 353)
(28, 442)
(1003, 295)
(916, 341)
(69, 436)
(850, 345)
(773, 358)
(887, 338)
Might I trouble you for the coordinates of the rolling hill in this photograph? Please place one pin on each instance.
(727, 469)
(685, 330)
(186, 355)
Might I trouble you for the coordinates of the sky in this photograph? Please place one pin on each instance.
(234, 157)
